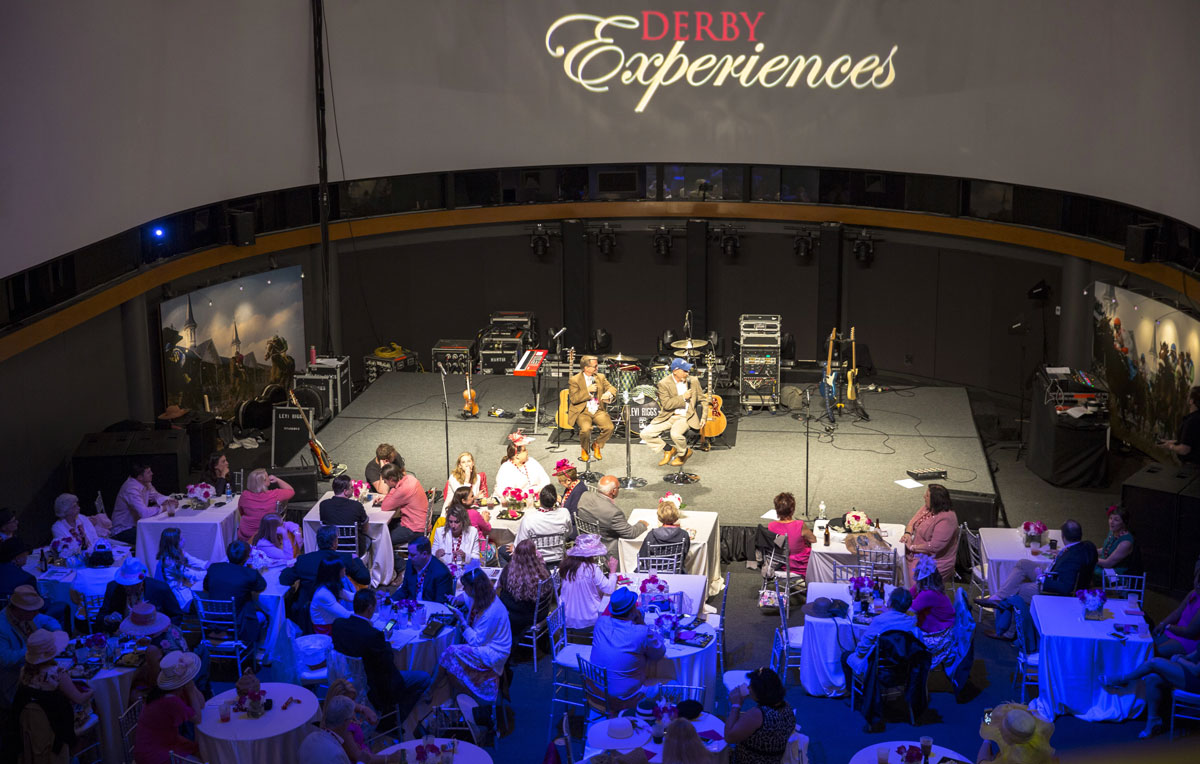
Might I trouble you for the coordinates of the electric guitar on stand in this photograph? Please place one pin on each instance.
(560, 417)
(320, 455)
(852, 380)
(829, 382)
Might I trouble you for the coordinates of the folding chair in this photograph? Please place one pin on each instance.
(539, 627)
(217, 617)
(788, 639)
(595, 689)
(86, 610)
(564, 661)
(551, 545)
(1119, 586)
(843, 573)
(129, 721)
(348, 539)
(586, 526)
(662, 558)
(881, 564)
(979, 581)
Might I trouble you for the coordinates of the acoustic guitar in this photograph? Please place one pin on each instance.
(714, 417)
(470, 407)
(319, 454)
(560, 417)
(852, 375)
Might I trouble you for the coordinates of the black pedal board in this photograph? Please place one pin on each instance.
(924, 475)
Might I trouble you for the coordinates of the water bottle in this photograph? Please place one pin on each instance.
(821, 511)
(228, 490)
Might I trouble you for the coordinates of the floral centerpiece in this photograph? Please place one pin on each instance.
(857, 522)
(407, 609)
(201, 493)
(250, 695)
(667, 623)
(254, 703)
(665, 711)
(258, 560)
(1093, 603)
(95, 644)
(910, 754)
(65, 551)
(428, 752)
(652, 584)
(514, 499)
(361, 491)
(675, 499)
(1031, 532)
(862, 587)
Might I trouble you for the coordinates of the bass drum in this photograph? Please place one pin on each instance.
(640, 415)
(256, 414)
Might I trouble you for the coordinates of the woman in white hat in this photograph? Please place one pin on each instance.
(519, 469)
(172, 702)
(1013, 735)
(584, 586)
(146, 623)
(49, 685)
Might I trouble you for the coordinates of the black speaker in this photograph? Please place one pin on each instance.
(302, 479)
(977, 510)
(1152, 497)
(241, 228)
(1139, 242)
(168, 452)
(99, 464)
(288, 433)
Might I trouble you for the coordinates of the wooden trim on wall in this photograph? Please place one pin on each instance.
(74, 314)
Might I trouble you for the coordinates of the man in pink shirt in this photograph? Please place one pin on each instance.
(136, 499)
(406, 497)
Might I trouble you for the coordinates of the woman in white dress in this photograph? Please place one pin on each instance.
(71, 524)
(274, 542)
(457, 542)
(331, 599)
(477, 664)
(464, 474)
(519, 469)
(178, 569)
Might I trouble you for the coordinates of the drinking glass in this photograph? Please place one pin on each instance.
(926, 746)
(882, 753)
(226, 711)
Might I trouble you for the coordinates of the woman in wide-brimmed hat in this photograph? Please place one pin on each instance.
(519, 469)
(147, 624)
(50, 686)
(1014, 735)
(172, 702)
(583, 584)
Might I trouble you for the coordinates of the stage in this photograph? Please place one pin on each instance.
(855, 465)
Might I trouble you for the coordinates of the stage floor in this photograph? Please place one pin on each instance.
(853, 466)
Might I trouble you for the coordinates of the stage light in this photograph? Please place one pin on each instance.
(864, 249)
(159, 233)
(1039, 291)
(662, 240)
(539, 240)
(606, 240)
(802, 246)
(730, 241)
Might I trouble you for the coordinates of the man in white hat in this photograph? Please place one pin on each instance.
(19, 620)
(132, 585)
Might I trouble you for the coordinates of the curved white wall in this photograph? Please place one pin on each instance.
(122, 111)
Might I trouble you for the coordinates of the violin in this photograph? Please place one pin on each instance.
(470, 407)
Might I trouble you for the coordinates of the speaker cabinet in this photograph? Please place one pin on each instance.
(241, 228)
(1139, 242)
(977, 510)
(102, 462)
(1152, 496)
(302, 479)
(288, 433)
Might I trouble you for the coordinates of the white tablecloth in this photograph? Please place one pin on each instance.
(206, 532)
(277, 644)
(704, 553)
(275, 736)
(868, 755)
(383, 566)
(412, 652)
(692, 666)
(468, 753)
(111, 688)
(693, 588)
(1075, 652)
(1000, 550)
(57, 583)
(706, 722)
(822, 643)
(820, 562)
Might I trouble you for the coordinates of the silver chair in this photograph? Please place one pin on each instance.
(551, 545)
(546, 597)
(586, 526)
(979, 582)
(1026, 670)
(595, 689)
(662, 558)
(787, 639)
(1184, 705)
(129, 721)
(881, 564)
(564, 662)
(347, 539)
(1117, 585)
(719, 626)
(674, 693)
(843, 573)
(220, 617)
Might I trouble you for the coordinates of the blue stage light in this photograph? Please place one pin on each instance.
(158, 232)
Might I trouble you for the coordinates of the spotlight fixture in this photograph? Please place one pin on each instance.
(539, 240)
(1039, 291)
(864, 249)
(802, 246)
(662, 240)
(730, 241)
(606, 239)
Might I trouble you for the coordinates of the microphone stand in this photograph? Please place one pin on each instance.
(807, 420)
(446, 416)
(629, 481)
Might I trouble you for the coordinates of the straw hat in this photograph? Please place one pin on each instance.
(173, 412)
(1022, 736)
(43, 645)
(621, 733)
(588, 545)
(144, 621)
(26, 598)
(131, 573)
(177, 669)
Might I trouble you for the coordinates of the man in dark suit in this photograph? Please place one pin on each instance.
(425, 577)
(14, 553)
(234, 581)
(600, 507)
(304, 574)
(342, 508)
(131, 585)
(387, 686)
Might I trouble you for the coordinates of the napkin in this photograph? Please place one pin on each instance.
(711, 735)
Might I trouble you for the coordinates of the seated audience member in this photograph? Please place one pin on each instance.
(136, 499)
(1179, 632)
(894, 618)
(387, 686)
(464, 476)
(1118, 552)
(477, 664)
(260, 500)
(144, 622)
(174, 701)
(683, 745)
(18, 622)
(623, 644)
(1161, 676)
(235, 581)
(354, 742)
(71, 524)
(518, 588)
(406, 497)
(216, 472)
(934, 531)
(669, 532)
(425, 577)
(1071, 570)
(275, 540)
(14, 553)
(342, 508)
(132, 584)
(304, 574)
(760, 733)
(550, 518)
(1014, 735)
(8, 524)
(326, 744)
(466, 500)
(49, 736)
(518, 469)
(331, 598)
(385, 454)
(583, 584)
(934, 611)
(176, 568)
(572, 487)
(600, 507)
(456, 543)
(800, 539)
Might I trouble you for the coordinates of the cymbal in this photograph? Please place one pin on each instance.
(620, 358)
(688, 353)
(689, 344)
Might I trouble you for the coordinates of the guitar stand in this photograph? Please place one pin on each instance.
(629, 481)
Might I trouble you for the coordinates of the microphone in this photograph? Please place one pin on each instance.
(558, 334)
(441, 368)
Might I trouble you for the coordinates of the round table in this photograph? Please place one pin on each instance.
(705, 723)
(693, 666)
(412, 651)
(868, 756)
(468, 753)
(275, 736)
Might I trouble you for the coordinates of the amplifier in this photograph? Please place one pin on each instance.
(500, 347)
(760, 323)
(375, 365)
(321, 384)
(302, 479)
(458, 356)
(926, 474)
(337, 367)
(520, 319)
(764, 341)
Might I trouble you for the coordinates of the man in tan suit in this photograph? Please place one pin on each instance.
(679, 394)
(587, 394)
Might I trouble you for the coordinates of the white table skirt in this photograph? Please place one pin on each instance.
(468, 753)
(111, 689)
(693, 588)
(706, 722)
(57, 583)
(277, 644)
(411, 651)
(383, 566)
(692, 666)
(206, 532)
(276, 736)
(1074, 652)
(1001, 549)
(822, 643)
(820, 562)
(704, 553)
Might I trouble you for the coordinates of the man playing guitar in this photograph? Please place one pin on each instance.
(588, 393)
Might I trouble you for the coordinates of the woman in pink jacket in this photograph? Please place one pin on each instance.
(933, 531)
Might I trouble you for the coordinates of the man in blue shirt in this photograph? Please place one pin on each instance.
(895, 618)
(623, 644)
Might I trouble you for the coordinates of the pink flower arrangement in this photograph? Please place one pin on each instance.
(408, 606)
(861, 584)
(361, 490)
(1033, 527)
(674, 498)
(664, 711)
(1092, 599)
(94, 641)
(64, 547)
(652, 584)
(909, 754)
(857, 522)
(201, 491)
(425, 752)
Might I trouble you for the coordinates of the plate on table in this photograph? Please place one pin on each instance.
(510, 514)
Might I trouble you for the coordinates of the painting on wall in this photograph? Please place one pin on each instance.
(227, 344)
(1146, 350)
